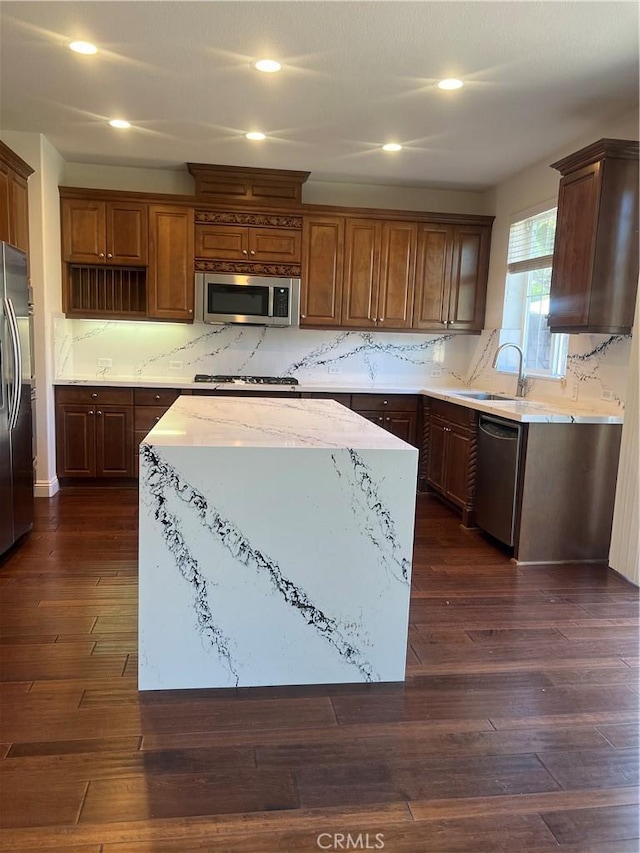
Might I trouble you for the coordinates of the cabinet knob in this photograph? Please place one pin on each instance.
(157, 419)
(89, 413)
(385, 402)
(381, 320)
(109, 255)
(190, 310)
(94, 396)
(252, 252)
(101, 254)
(244, 252)
(304, 316)
(380, 418)
(98, 412)
(157, 397)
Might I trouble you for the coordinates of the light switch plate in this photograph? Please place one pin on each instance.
(175, 365)
(105, 362)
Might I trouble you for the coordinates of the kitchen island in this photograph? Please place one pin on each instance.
(275, 545)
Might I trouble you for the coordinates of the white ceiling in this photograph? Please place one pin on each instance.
(356, 75)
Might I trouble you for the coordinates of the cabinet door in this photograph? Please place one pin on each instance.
(362, 271)
(397, 274)
(574, 246)
(433, 274)
(469, 269)
(321, 289)
(19, 221)
(402, 425)
(127, 233)
(83, 231)
(437, 453)
(457, 465)
(171, 273)
(274, 245)
(375, 417)
(5, 203)
(75, 441)
(222, 242)
(114, 441)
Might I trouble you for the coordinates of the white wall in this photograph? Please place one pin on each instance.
(45, 274)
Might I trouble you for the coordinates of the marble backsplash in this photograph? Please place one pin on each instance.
(597, 370)
(179, 351)
(597, 365)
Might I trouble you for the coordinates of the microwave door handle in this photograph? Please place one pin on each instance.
(14, 404)
(270, 302)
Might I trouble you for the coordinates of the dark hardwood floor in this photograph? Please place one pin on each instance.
(516, 730)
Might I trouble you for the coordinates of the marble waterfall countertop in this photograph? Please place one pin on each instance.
(526, 410)
(275, 545)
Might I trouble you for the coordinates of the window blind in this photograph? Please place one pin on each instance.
(531, 242)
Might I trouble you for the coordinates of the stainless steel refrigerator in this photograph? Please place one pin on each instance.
(16, 444)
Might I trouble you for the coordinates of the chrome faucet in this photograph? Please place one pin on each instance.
(522, 379)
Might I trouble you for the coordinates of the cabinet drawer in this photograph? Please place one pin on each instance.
(148, 416)
(462, 415)
(93, 395)
(384, 402)
(155, 396)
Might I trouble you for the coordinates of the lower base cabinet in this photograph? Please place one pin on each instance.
(94, 432)
(99, 429)
(448, 454)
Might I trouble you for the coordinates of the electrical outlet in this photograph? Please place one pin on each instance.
(175, 365)
(607, 394)
(333, 368)
(574, 392)
(435, 371)
(105, 362)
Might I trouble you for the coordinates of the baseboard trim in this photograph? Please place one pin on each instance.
(46, 488)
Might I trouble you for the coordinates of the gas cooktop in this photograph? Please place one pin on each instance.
(243, 380)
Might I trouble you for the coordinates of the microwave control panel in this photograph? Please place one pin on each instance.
(281, 302)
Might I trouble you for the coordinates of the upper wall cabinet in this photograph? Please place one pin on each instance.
(366, 272)
(451, 277)
(248, 243)
(594, 276)
(104, 232)
(170, 279)
(14, 207)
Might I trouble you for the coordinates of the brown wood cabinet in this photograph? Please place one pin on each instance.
(104, 232)
(451, 277)
(150, 405)
(94, 432)
(594, 277)
(379, 274)
(170, 279)
(322, 270)
(449, 449)
(397, 413)
(14, 204)
(239, 243)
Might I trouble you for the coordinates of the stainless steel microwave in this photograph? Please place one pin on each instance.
(251, 299)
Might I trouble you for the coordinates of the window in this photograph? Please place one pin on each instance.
(527, 298)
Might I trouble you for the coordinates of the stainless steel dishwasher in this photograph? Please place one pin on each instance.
(499, 449)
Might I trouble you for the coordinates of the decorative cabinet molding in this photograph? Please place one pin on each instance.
(230, 267)
(266, 220)
(224, 184)
(594, 278)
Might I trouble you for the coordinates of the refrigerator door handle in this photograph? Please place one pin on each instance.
(14, 404)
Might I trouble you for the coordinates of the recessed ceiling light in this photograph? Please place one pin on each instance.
(83, 47)
(450, 83)
(119, 123)
(255, 135)
(392, 146)
(269, 66)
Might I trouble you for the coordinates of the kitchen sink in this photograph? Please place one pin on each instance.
(483, 395)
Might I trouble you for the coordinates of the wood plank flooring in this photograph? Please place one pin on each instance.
(516, 730)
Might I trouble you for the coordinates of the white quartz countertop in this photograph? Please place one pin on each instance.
(525, 411)
(264, 422)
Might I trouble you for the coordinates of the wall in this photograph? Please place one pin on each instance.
(597, 363)
(624, 556)
(45, 274)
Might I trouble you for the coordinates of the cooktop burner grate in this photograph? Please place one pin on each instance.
(222, 379)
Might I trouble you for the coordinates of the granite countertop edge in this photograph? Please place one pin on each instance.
(523, 411)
